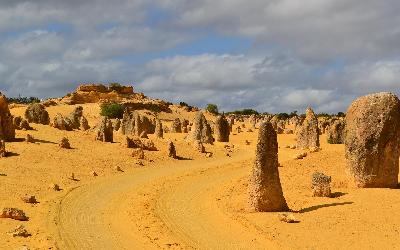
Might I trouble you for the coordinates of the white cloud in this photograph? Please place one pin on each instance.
(313, 29)
(118, 41)
(274, 84)
(37, 45)
(287, 67)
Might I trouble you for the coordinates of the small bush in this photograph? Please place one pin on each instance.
(283, 116)
(23, 100)
(244, 112)
(212, 108)
(115, 86)
(112, 110)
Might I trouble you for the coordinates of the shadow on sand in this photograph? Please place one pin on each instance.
(313, 208)
(337, 194)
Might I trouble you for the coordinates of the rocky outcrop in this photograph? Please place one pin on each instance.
(308, 133)
(64, 143)
(265, 191)
(336, 132)
(201, 130)
(176, 126)
(372, 140)
(7, 129)
(62, 123)
(13, 213)
(105, 130)
(159, 129)
(37, 113)
(171, 150)
(321, 185)
(221, 129)
(135, 124)
(3, 152)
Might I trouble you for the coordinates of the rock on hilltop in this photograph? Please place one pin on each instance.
(99, 93)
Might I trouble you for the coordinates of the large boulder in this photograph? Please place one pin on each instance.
(308, 133)
(37, 113)
(265, 190)
(372, 140)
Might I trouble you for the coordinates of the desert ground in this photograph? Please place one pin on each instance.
(193, 202)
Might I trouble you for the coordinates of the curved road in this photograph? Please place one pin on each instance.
(174, 206)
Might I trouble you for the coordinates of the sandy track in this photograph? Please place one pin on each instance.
(190, 209)
(171, 206)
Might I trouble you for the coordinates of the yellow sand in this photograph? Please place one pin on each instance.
(196, 202)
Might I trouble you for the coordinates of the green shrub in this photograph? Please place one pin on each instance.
(244, 112)
(115, 86)
(23, 100)
(212, 108)
(112, 110)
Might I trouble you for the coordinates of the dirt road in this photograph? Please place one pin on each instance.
(171, 206)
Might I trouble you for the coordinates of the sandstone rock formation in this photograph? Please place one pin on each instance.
(134, 124)
(84, 124)
(29, 138)
(171, 150)
(308, 133)
(13, 213)
(335, 133)
(19, 231)
(17, 122)
(24, 125)
(7, 129)
(21, 124)
(159, 129)
(75, 120)
(55, 187)
(3, 152)
(201, 130)
(176, 126)
(184, 126)
(372, 140)
(231, 121)
(64, 143)
(75, 117)
(62, 123)
(36, 113)
(105, 130)
(198, 146)
(116, 124)
(137, 153)
(135, 142)
(29, 199)
(265, 191)
(321, 185)
(221, 129)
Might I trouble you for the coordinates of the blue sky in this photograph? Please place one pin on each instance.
(274, 56)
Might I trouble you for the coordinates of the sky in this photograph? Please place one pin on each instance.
(269, 55)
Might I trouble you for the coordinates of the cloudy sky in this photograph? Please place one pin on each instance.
(270, 55)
